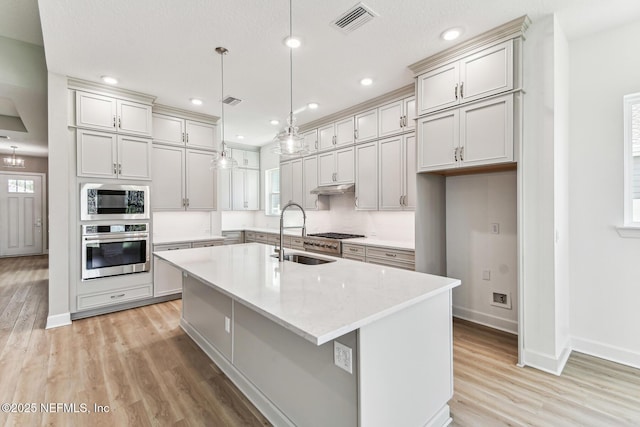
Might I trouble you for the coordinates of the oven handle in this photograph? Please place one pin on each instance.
(122, 237)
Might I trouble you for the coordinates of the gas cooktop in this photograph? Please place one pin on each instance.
(335, 235)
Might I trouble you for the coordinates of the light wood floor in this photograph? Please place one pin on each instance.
(141, 364)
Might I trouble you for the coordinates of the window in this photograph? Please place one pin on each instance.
(272, 191)
(21, 186)
(632, 159)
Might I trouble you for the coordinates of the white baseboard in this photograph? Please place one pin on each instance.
(606, 351)
(489, 320)
(442, 418)
(57, 320)
(546, 362)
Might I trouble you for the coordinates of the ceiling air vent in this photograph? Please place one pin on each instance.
(354, 18)
(230, 100)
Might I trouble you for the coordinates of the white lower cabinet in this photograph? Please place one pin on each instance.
(107, 155)
(397, 166)
(366, 197)
(245, 184)
(336, 167)
(474, 135)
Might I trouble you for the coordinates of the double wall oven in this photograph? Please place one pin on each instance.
(115, 230)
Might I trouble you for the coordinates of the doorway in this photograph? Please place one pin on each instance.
(21, 214)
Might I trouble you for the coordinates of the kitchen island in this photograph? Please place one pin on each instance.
(341, 343)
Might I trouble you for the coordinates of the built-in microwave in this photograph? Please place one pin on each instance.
(114, 202)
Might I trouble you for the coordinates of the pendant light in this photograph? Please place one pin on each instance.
(13, 161)
(223, 160)
(289, 142)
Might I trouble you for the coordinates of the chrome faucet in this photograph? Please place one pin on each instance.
(282, 227)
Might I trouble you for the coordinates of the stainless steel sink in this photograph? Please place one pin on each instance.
(304, 259)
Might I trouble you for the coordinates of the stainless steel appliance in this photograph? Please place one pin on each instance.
(327, 243)
(110, 250)
(114, 202)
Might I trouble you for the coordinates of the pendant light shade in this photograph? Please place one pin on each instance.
(288, 141)
(13, 161)
(223, 160)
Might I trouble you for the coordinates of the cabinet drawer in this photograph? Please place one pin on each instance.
(249, 236)
(233, 237)
(391, 254)
(207, 244)
(114, 297)
(389, 263)
(353, 257)
(171, 247)
(275, 240)
(353, 251)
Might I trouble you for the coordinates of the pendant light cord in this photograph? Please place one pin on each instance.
(222, 95)
(291, 63)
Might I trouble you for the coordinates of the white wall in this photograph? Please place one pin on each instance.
(604, 268)
(473, 203)
(186, 223)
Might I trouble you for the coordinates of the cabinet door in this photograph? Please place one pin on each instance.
(97, 154)
(409, 173)
(487, 72)
(410, 113)
(438, 141)
(167, 279)
(251, 159)
(285, 183)
(438, 89)
(366, 126)
(345, 166)
(390, 119)
(252, 189)
(237, 184)
(296, 181)
(311, 140)
(325, 137)
(345, 132)
(486, 132)
(134, 118)
(95, 111)
(201, 135)
(310, 171)
(168, 130)
(367, 177)
(391, 183)
(200, 181)
(134, 157)
(224, 189)
(326, 168)
(167, 173)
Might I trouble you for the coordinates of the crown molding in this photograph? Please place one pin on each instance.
(367, 105)
(510, 30)
(102, 89)
(185, 114)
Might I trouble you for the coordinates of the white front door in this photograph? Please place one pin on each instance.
(20, 214)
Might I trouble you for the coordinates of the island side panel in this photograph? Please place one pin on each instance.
(406, 366)
(299, 377)
(205, 309)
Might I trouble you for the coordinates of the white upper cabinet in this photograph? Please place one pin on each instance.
(366, 197)
(310, 181)
(311, 140)
(286, 180)
(200, 135)
(106, 155)
(168, 129)
(474, 135)
(336, 167)
(297, 185)
(112, 114)
(366, 126)
(168, 191)
(246, 188)
(482, 74)
(200, 181)
(397, 168)
(397, 117)
(326, 137)
(246, 158)
(225, 192)
(338, 134)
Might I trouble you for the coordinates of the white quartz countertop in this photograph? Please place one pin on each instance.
(392, 244)
(317, 302)
(163, 239)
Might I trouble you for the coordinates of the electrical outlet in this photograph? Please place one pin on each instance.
(342, 356)
(227, 324)
(502, 300)
(495, 228)
(486, 275)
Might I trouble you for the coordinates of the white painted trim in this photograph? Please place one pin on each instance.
(184, 114)
(606, 351)
(57, 320)
(441, 418)
(113, 91)
(545, 362)
(628, 231)
(259, 400)
(495, 322)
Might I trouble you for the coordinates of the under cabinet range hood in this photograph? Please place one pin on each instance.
(328, 190)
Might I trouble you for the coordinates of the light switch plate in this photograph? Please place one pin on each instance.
(342, 356)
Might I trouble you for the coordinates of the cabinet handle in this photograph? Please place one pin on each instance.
(461, 90)
(455, 91)
(114, 122)
(316, 144)
(355, 201)
(182, 136)
(334, 139)
(173, 249)
(355, 134)
(119, 168)
(316, 203)
(187, 202)
(187, 137)
(462, 154)
(455, 154)
(353, 249)
(117, 296)
(115, 168)
(390, 255)
(120, 122)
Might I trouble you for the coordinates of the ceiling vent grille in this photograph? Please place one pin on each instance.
(354, 18)
(230, 100)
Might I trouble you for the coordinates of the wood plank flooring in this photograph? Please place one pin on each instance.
(142, 366)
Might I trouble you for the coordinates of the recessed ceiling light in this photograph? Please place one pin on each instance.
(312, 105)
(451, 34)
(366, 81)
(274, 122)
(240, 136)
(109, 80)
(292, 42)
(196, 101)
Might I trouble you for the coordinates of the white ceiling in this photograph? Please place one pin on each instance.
(166, 48)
